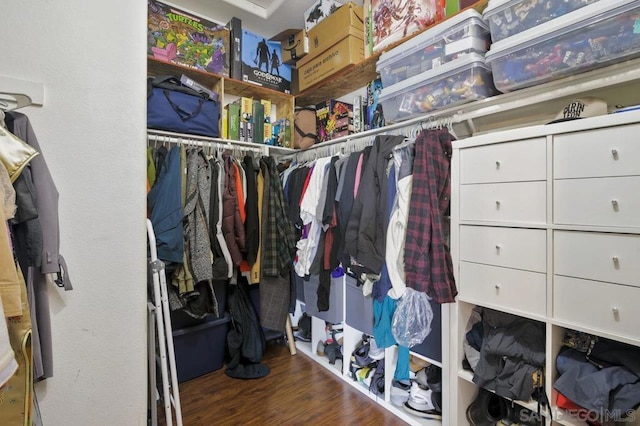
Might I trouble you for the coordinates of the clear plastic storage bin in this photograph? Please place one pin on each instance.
(507, 18)
(597, 35)
(462, 34)
(463, 80)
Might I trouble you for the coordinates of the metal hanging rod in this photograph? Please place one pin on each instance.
(356, 142)
(162, 136)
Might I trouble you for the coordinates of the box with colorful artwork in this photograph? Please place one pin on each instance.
(597, 35)
(181, 37)
(374, 116)
(261, 63)
(393, 20)
(460, 81)
(318, 11)
(334, 119)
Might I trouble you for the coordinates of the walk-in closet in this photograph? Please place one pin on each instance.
(376, 212)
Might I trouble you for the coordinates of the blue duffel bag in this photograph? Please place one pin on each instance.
(177, 108)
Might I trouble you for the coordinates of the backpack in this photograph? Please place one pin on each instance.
(304, 122)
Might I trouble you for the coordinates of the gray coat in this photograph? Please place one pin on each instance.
(52, 260)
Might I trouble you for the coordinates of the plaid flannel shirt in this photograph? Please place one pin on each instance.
(428, 264)
(279, 246)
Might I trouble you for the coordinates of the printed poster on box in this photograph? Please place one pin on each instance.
(186, 39)
(394, 20)
(261, 63)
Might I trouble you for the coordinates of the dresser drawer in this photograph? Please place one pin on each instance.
(600, 201)
(510, 247)
(505, 162)
(601, 306)
(504, 202)
(597, 153)
(596, 256)
(503, 287)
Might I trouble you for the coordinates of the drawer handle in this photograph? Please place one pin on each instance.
(498, 247)
(497, 204)
(614, 153)
(497, 287)
(616, 312)
(616, 262)
(497, 165)
(614, 203)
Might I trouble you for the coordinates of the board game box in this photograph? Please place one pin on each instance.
(261, 63)
(181, 37)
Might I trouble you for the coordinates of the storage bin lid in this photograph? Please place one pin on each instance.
(443, 71)
(578, 19)
(430, 36)
(205, 325)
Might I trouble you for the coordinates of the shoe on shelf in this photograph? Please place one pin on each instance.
(423, 403)
(320, 348)
(416, 363)
(487, 409)
(375, 352)
(300, 335)
(400, 392)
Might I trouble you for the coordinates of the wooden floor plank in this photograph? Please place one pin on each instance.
(298, 391)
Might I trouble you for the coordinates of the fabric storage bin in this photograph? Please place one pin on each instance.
(464, 33)
(594, 36)
(335, 314)
(431, 346)
(359, 312)
(200, 349)
(463, 80)
(507, 18)
(180, 319)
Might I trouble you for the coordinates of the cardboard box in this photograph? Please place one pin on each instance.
(348, 20)
(317, 68)
(294, 44)
(183, 38)
(319, 11)
(261, 64)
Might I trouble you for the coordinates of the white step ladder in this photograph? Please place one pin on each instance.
(159, 321)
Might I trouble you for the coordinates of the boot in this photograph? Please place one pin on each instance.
(487, 409)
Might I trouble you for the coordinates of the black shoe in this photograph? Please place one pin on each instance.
(487, 409)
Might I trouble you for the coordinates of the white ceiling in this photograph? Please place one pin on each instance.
(264, 17)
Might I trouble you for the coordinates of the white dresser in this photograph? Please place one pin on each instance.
(546, 225)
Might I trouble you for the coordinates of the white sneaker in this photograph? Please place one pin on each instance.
(399, 392)
(375, 352)
(423, 403)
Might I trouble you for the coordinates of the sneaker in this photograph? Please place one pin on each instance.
(424, 403)
(375, 352)
(320, 348)
(299, 335)
(399, 392)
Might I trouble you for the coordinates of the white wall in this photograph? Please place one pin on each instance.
(91, 57)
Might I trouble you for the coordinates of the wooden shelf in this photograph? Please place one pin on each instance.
(233, 87)
(345, 81)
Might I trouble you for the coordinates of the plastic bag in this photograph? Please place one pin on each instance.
(411, 322)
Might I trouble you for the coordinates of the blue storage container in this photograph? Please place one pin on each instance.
(200, 349)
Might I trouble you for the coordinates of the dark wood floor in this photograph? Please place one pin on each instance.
(298, 391)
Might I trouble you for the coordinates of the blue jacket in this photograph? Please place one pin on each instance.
(165, 208)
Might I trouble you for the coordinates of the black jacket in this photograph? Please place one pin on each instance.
(365, 238)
